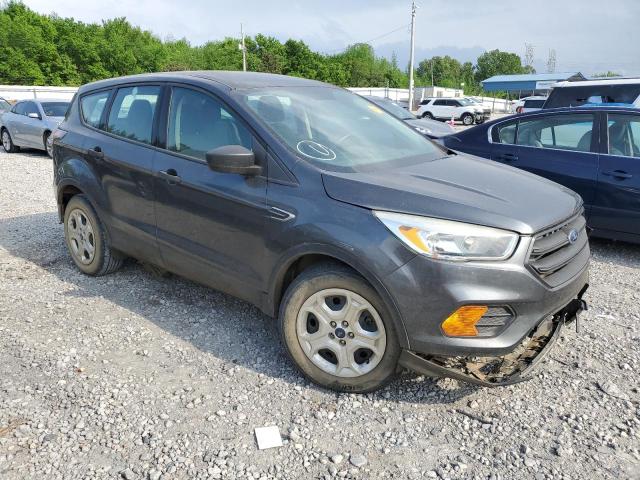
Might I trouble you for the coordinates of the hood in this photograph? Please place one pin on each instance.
(437, 129)
(460, 188)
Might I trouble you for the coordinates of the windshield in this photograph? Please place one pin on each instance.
(4, 105)
(338, 130)
(393, 108)
(465, 103)
(55, 109)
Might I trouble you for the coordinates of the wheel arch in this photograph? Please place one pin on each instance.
(302, 259)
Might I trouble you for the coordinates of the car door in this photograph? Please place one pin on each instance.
(209, 224)
(560, 147)
(617, 205)
(32, 126)
(119, 146)
(441, 108)
(14, 122)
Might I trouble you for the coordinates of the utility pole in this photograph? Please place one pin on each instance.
(413, 31)
(244, 50)
(551, 63)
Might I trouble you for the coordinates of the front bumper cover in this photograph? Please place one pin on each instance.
(508, 369)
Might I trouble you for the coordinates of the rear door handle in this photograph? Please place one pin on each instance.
(96, 152)
(170, 175)
(508, 157)
(618, 174)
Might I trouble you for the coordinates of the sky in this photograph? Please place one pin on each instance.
(590, 36)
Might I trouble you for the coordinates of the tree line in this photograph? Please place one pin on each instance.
(38, 49)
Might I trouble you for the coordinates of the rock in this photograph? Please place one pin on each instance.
(128, 474)
(358, 460)
(337, 458)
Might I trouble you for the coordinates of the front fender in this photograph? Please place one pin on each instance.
(345, 255)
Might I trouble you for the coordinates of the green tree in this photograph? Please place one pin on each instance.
(496, 62)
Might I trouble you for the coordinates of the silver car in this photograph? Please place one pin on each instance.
(30, 122)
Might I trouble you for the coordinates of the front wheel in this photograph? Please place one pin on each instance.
(7, 142)
(337, 330)
(467, 119)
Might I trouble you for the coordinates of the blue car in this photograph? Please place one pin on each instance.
(594, 151)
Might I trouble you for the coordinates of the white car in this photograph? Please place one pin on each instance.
(530, 104)
(448, 108)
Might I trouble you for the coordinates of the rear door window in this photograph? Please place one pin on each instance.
(564, 132)
(533, 103)
(132, 113)
(92, 107)
(18, 108)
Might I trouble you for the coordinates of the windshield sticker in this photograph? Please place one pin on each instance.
(375, 108)
(315, 150)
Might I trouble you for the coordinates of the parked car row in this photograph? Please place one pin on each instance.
(430, 128)
(29, 124)
(374, 246)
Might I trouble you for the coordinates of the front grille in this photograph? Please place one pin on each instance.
(554, 258)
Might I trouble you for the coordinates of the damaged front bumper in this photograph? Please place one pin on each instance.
(508, 369)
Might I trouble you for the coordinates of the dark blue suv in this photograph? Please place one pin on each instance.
(374, 247)
(594, 151)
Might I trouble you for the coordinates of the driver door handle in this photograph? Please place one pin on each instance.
(170, 175)
(620, 174)
(95, 152)
(508, 157)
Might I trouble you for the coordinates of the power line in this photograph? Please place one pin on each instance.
(373, 39)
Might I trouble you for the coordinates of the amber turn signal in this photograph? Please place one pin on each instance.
(462, 322)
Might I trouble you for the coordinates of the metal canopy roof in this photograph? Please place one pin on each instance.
(528, 82)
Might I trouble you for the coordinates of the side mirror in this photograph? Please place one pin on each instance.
(34, 115)
(233, 159)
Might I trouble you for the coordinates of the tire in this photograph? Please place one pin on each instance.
(7, 142)
(428, 115)
(351, 367)
(45, 140)
(467, 119)
(88, 246)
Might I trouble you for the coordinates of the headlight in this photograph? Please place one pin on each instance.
(444, 239)
(424, 131)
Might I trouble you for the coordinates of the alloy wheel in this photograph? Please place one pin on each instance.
(341, 333)
(81, 236)
(6, 141)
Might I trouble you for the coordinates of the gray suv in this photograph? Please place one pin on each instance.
(374, 248)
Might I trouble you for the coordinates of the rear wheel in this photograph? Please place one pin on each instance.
(428, 115)
(7, 142)
(467, 119)
(48, 147)
(87, 240)
(337, 330)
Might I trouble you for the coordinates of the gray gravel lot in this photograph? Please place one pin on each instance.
(139, 377)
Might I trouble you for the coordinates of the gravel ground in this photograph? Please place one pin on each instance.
(138, 377)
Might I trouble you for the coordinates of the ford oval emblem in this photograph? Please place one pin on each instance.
(572, 236)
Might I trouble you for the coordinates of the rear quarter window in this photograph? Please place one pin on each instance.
(92, 107)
